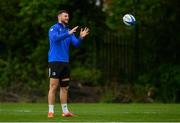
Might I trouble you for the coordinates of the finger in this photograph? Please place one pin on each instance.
(75, 27)
(87, 33)
(87, 29)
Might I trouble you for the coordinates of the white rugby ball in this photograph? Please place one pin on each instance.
(129, 19)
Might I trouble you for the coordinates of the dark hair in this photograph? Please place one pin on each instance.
(62, 11)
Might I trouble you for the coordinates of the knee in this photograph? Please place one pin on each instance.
(64, 89)
(53, 87)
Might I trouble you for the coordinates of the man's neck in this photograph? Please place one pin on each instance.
(62, 23)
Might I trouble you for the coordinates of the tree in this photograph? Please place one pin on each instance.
(24, 27)
(158, 41)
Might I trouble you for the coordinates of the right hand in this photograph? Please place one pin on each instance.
(84, 32)
(73, 30)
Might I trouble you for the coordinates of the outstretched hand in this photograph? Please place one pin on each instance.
(73, 30)
(84, 32)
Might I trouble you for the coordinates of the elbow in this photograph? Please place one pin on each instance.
(77, 45)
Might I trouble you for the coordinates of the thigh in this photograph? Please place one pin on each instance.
(54, 83)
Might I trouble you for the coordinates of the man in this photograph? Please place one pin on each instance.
(60, 37)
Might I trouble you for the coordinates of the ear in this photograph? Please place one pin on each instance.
(59, 17)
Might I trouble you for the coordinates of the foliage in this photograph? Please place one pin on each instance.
(166, 80)
(157, 22)
(24, 44)
(86, 76)
(158, 43)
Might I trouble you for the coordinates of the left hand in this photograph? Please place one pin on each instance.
(84, 32)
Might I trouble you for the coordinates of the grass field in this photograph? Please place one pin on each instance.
(23, 112)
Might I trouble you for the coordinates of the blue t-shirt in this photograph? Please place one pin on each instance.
(59, 41)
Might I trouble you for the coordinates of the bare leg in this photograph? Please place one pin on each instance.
(52, 90)
(63, 95)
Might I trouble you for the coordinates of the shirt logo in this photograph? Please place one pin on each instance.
(51, 29)
(53, 73)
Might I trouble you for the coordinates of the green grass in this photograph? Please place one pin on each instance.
(23, 112)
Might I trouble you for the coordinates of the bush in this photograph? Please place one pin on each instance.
(166, 81)
(86, 76)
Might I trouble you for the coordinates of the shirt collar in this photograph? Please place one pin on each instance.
(60, 24)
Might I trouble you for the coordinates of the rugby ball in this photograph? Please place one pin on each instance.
(129, 19)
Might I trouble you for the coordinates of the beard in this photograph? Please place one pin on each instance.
(65, 21)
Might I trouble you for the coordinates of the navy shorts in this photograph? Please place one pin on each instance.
(59, 70)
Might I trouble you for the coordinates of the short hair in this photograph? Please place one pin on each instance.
(62, 11)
